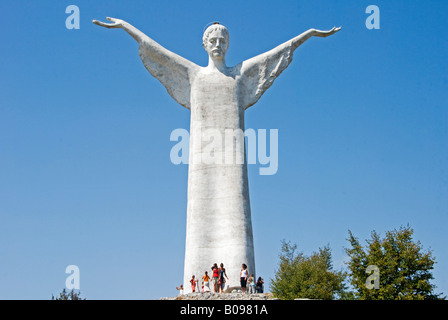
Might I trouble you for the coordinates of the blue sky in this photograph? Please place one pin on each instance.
(85, 172)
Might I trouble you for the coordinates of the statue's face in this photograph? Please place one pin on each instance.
(216, 44)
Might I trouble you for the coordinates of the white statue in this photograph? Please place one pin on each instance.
(219, 227)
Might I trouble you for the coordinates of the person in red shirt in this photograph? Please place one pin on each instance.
(215, 277)
(193, 284)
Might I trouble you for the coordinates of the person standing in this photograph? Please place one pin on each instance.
(215, 277)
(260, 283)
(222, 276)
(243, 278)
(206, 279)
(193, 284)
(251, 283)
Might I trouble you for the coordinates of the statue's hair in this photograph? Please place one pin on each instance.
(213, 27)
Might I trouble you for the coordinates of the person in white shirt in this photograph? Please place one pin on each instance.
(243, 277)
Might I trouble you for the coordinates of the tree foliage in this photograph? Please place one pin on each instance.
(313, 277)
(64, 295)
(404, 268)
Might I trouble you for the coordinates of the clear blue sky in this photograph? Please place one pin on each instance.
(85, 173)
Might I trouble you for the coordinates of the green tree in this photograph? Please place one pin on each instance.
(404, 268)
(313, 277)
(64, 295)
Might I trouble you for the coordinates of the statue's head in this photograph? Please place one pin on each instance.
(216, 40)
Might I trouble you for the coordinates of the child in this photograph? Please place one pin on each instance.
(181, 289)
(206, 284)
(193, 284)
(251, 283)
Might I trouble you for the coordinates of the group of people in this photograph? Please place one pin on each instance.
(254, 287)
(218, 280)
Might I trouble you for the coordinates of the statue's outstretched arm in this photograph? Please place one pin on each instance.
(172, 70)
(260, 71)
(287, 47)
(153, 50)
(297, 41)
(118, 23)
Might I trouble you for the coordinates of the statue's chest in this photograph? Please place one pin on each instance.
(214, 99)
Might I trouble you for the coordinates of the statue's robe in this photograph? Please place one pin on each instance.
(219, 226)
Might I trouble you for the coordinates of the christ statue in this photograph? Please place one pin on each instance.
(219, 225)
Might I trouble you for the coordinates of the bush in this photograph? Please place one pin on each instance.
(310, 277)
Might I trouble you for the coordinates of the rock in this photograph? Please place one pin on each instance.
(222, 296)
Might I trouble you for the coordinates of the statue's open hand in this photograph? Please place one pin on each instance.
(320, 33)
(116, 23)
